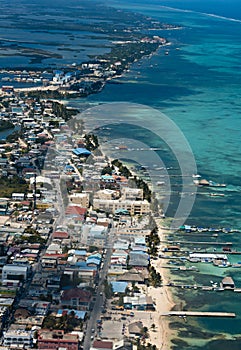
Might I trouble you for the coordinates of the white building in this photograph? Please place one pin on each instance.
(133, 207)
(128, 193)
(15, 272)
(18, 196)
(18, 338)
(80, 198)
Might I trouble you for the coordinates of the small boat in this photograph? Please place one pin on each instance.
(196, 176)
(217, 195)
(215, 184)
(204, 182)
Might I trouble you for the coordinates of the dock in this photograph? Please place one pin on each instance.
(198, 243)
(199, 314)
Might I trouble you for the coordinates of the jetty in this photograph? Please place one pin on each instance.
(199, 314)
(198, 243)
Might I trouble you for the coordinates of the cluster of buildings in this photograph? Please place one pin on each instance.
(83, 79)
(62, 221)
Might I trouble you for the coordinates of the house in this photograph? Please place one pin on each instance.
(119, 287)
(87, 274)
(132, 193)
(75, 213)
(3, 207)
(129, 276)
(135, 329)
(128, 206)
(96, 235)
(18, 338)
(76, 298)
(15, 272)
(80, 254)
(80, 315)
(138, 302)
(60, 235)
(18, 196)
(57, 339)
(81, 152)
(42, 308)
(102, 345)
(94, 260)
(53, 282)
(54, 248)
(49, 262)
(138, 258)
(81, 199)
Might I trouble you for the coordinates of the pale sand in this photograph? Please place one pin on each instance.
(164, 303)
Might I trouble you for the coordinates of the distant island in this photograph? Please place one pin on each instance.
(127, 38)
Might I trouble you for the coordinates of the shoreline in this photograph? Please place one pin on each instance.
(165, 298)
(162, 296)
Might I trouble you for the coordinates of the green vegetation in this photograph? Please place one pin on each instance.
(91, 142)
(139, 183)
(108, 289)
(128, 53)
(62, 111)
(153, 242)
(155, 278)
(66, 322)
(10, 185)
(35, 238)
(124, 171)
(147, 194)
(107, 170)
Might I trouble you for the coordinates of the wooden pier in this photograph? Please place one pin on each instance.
(199, 314)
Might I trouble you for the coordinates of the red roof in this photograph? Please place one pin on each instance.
(81, 294)
(34, 246)
(60, 234)
(99, 344)
(25, 203)
(75, 210)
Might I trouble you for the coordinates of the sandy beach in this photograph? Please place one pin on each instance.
(164, 303)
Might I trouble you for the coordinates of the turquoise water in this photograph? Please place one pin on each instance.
(197, 85)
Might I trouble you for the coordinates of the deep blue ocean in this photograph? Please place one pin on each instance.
(198, 86)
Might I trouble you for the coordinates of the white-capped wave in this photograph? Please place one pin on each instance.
(202, 13)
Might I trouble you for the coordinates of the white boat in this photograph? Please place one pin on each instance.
(160, 183)
(196, 176)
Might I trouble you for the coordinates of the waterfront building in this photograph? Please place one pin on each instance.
(133, 207)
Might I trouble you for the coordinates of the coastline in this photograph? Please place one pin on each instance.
(164, 301)
(228, 209)
(165, 298)
(162, 296)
